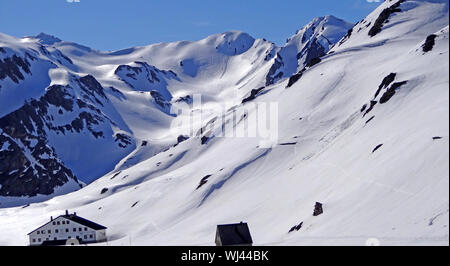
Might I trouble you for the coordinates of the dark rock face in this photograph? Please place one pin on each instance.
(294, 78)
(318, 210)
(296, 227)
(314, 61)
(312, 51)
(11, 67)
(28, 164)
(372, 105)
(363, 108)
(92, 87)
(123, 140)
(203, 181)
(146, 78)
(386, 82)
(204, 140)
(370, 119)
(429, 43)
(288, 144)
(160, 101)
(181, 138)
(384, 17)
(391, 91)
(346, 37)
(104, 190)
(186, 99)
(271, 76)
(377, 147)
(252, 95)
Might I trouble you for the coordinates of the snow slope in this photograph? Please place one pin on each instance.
(364, 130)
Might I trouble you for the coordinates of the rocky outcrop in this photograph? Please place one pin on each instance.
(29, 164)
(11, 67)
(384, 18)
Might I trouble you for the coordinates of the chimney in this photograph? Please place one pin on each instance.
(67, 212)
(51, 218)
(74, 213)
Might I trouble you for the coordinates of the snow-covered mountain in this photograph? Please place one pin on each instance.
(362, 128)
(310, 42)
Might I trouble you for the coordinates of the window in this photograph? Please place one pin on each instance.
(74, 229)
(67, 230)
(85, 236)
(79, 229)
(39, 240)
(38, 232)
(91, 236)
(67, 222)
(34, 240)
(49, 231)
(70, 237)
(63, 222)
(55, 238)
(46, 239)
(56, 230)
(57, 223)
(85, 229)
(54, 223)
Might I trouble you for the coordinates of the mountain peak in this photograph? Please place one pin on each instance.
(234, 42)
(47, 38)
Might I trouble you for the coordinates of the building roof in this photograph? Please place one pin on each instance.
(85, 222)
(77, 219)
(234, 234)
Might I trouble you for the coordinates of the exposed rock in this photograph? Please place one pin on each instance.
(271, 77)
(372, 104)
(203, 181)
(377, 147)
(314, 62)
(370, 119)
(252, 95)
(180, 139)
(11, 67)
(160, 101)
(288, 143)
(204, 140)
(386, 82)
(384, 17)
(115, 175)
(391, 91)
(429, 43)
(123, 140)
(104, 190)
(187, 99)
(346, 37)
(363, 108)
(296, 227)
(294, 78)
(318, 210)
(20, 176)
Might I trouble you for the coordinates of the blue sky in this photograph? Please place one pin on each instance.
(116, 24)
